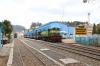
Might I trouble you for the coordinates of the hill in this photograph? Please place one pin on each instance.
(18, 28)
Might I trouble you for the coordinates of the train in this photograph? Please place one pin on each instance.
(15, 35)
(47, 32)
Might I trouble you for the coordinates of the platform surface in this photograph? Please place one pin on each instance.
(69, 41)
(4, 54)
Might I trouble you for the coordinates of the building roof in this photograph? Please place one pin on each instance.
(2, 30)
(1, 24)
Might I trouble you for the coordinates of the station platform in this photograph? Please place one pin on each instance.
(4, 54)
(69, 41)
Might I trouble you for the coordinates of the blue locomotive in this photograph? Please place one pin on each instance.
(46, 32)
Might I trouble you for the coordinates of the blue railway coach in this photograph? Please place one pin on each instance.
(15, 35)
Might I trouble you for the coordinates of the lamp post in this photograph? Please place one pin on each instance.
(68, 30)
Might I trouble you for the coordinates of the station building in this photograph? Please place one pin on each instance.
(66, 31)
(1, 34)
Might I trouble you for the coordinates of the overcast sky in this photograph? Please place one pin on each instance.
(24, 12)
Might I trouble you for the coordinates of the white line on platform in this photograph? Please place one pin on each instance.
(9, 63)
(69, 60)
(44, 54)
(44, 49)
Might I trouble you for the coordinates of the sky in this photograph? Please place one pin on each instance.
(24, 12)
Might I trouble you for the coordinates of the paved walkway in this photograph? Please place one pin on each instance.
(4, 54)
(4, 51)
(69, 41)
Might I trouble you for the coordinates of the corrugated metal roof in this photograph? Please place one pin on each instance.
(2, 24)
(1, 27)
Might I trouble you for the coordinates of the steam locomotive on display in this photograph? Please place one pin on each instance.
(46, 32)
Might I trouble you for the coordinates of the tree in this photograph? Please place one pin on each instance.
(34, 24)
(94, 29)
(8, 28)
(85, 1)
(98, 28)
(38, 24)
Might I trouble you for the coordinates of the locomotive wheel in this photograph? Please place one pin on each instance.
(48, 39)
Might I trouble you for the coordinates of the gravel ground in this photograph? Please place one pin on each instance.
(94, 47)
(3, 60)
(4, 54)
(59, 51)
(28, 58)
(44, 59)
(16, 56)
(84, 60)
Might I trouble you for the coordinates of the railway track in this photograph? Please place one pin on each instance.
(26, 56)
(20, 54)
(84, 48)
(88, 52)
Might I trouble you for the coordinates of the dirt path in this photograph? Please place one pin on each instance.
(3, 60)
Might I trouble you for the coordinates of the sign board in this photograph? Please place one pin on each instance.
(80, 31)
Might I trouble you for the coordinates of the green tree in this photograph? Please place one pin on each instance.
(89, 1)
(94, 29)
(8, 28)
(33, 25)
(38, 24)
(84, 1)
(98, 28)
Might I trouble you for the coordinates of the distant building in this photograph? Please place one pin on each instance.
(1, 34)
(64, 27)
(20, 33)
(26, 30)
(89, 28)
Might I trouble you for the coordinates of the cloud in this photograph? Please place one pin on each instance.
(24, 12)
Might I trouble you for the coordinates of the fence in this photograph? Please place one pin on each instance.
(88, 40)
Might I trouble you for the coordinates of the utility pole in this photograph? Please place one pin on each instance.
(88, 18)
